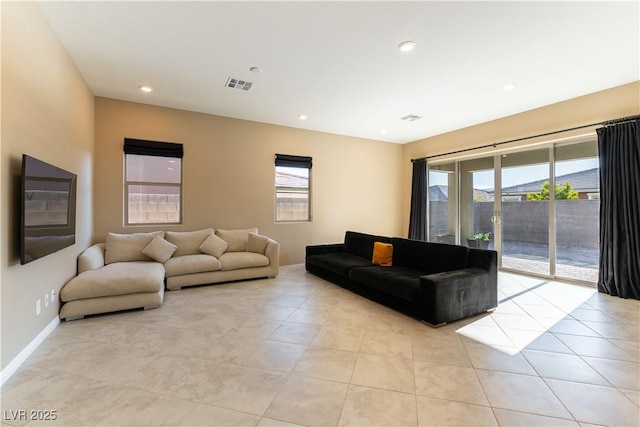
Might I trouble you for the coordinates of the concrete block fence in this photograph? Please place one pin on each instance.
(577, 221)
(154, 208)
(163, 208)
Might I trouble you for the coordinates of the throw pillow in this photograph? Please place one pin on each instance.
(237, 239)
(257, 243)
(214, 246)
(382, 254)
(188, 242)
(159, 249)
(128, 247)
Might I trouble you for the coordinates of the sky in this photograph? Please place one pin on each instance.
(521, 174)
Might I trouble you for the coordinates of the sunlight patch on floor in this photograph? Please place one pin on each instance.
(525, 312)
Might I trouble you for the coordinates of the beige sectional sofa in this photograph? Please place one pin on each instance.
(226, 255)
(130, 270)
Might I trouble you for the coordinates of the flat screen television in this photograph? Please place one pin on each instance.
(48, 209)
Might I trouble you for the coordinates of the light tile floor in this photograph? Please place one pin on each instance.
(297, 350)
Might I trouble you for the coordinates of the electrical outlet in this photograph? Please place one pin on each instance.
(46, 299)
(38, 308)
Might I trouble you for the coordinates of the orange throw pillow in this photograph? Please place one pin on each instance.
(382, 254)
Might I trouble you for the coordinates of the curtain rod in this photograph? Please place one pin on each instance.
(605, 123)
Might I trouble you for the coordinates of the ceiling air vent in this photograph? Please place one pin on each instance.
(238, 84)
(410, 118)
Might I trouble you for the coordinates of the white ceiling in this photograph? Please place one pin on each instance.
(338, 62)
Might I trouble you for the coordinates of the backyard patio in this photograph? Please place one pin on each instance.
(571, 262)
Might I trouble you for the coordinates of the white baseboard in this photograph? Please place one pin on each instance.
(13, 366)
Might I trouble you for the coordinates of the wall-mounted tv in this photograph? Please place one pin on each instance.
(48, 209)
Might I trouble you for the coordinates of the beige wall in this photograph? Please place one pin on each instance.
(228, 175)
(47, 112)
(610, 104)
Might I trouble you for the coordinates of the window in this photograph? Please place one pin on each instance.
(153, 182)
(293, 175)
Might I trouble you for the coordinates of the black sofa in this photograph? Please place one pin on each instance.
(435, 282)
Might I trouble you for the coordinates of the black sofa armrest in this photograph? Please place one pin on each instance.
(325, 249)
(321, 250)
(453, 295)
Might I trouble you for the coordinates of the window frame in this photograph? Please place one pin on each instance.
(292, 161)
(170, 151)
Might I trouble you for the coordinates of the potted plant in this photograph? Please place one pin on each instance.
(479, 240)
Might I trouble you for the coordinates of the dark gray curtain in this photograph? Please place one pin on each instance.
(619, 151)
(419, 190)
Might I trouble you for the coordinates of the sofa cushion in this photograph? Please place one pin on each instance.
(361, 244)
(400, 282)
(188, 242)
(115, 279)
(159, 249)
(428, 257)
(382, 254)
(214, 246)
(128, 247)
(237, 260)
(91, 258)
(340, 262)
(257, 243)
(188, 264)
(237, 239)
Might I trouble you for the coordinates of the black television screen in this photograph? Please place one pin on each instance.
(48, 209)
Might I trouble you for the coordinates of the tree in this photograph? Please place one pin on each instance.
(564, 192)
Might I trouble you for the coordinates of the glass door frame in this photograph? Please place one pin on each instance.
(473, 217)
(452, 197)
(497, 168)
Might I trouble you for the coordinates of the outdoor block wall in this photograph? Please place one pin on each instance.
(577, 221)
(156, 208)
(292, 209)
(165, 208)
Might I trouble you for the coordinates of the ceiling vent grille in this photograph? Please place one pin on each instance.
(410, 118)
(238, 84)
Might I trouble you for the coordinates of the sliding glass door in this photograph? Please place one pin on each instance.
(539, 208)
(577, 211)
(525, 211)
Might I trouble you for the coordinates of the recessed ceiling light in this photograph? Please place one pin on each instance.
(407, 46)
(302, 116)
(145, 88)
(255, 70)
(382, 132)
(509, 86)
